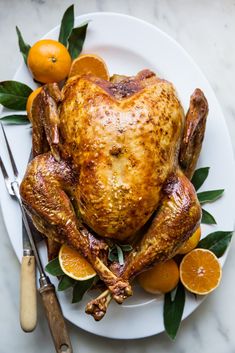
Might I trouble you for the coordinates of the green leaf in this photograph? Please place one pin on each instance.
(76, 40)
(80, 289)
(126, 247)
(120, 255)
(66, 25)
(53, 267)
(24, 47)
(65, 283)
(173, 311)
(14, 94)
(15, 119)
(217, 242)
(112, 255)
(209, 196)
(199, 177)
(207, 218)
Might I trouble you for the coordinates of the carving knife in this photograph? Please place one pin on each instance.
(28, 292)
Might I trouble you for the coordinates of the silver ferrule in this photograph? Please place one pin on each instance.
(27, 252)
(44, 281)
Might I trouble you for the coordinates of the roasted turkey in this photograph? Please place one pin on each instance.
(113, 160)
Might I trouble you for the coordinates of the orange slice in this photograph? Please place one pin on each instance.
(191, 243)
(162, 278)
(89, 64)
(74, 265)
(200, 271)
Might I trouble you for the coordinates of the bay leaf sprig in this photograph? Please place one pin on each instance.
(15, 119)
(14, 94)
(67, 24)
(72, 37)
(24, 47)
(173, 310)
(199, 177)
(79, 287)
(116, 252)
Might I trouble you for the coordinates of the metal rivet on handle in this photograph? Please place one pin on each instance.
(64, 348)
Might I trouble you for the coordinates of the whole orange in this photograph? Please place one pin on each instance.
(49, 61)
(30, 101)
(162, 278)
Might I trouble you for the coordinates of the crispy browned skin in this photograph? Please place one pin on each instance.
(124, 149)
(114, 159)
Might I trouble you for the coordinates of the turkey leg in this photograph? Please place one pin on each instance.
(44, 191)
(176, 220)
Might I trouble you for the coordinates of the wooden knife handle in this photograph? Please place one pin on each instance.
(28, 294)
(55, 319)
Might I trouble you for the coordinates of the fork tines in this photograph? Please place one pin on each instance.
(13, 164)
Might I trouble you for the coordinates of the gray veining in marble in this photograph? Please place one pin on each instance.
(206, 30)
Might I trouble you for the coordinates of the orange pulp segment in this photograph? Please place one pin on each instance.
(74, 265)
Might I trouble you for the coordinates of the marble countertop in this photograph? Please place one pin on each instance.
(206, 30)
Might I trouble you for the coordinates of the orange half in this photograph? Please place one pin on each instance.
(89, 64)
(200, 271)
(74, 265)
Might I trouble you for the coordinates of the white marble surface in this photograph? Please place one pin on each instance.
(206, 30)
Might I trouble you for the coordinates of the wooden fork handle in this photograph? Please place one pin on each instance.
(55, 319)
(28, 294)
